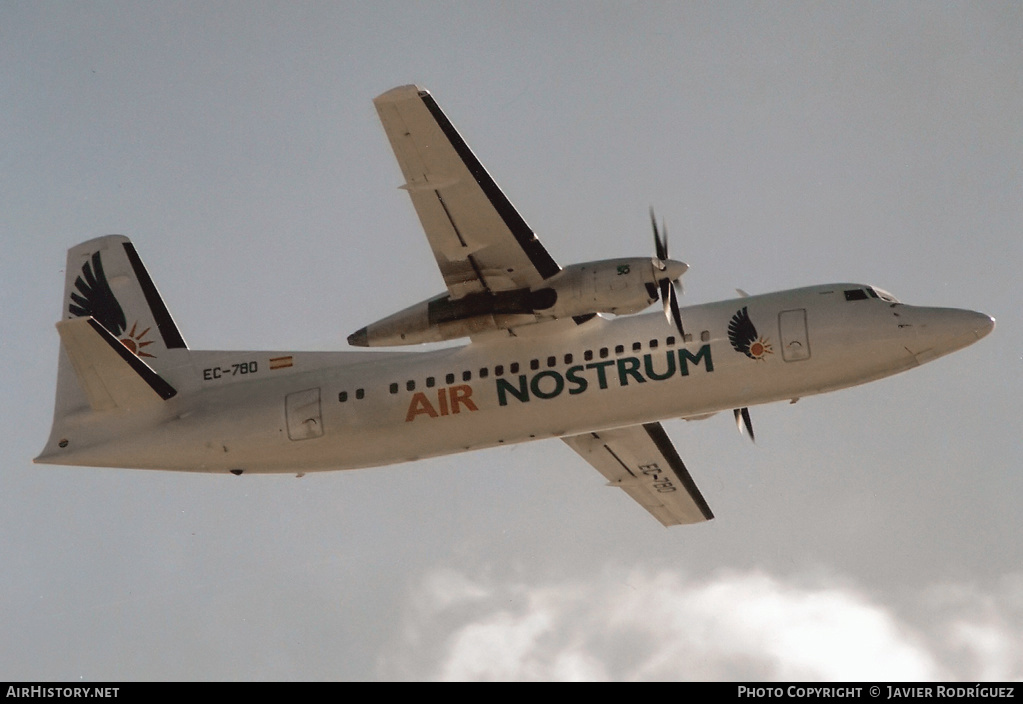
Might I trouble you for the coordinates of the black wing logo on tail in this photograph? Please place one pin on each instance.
(743, 336)
(95, 298)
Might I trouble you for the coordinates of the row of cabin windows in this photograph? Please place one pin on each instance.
(534, 365)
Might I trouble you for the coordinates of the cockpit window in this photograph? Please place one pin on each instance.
(883, 295)
(862, 294)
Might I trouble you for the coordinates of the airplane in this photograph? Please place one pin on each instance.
(553, 352)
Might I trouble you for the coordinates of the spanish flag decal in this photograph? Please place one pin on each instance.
(281, 362)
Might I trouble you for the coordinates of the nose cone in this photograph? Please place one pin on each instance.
(985, 324)
(965, 325)
(938, 331)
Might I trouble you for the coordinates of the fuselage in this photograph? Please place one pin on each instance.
(307, 411)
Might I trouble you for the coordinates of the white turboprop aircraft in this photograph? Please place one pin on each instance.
(545, 360)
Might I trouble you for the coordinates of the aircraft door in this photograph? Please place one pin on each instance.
(302, 410)
(795, 343)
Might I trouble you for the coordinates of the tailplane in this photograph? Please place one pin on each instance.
(109, 374)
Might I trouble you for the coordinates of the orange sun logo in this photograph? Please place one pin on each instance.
(759, 348)
(137, 340)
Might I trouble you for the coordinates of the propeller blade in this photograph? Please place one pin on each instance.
(666, 287)
(676, 314)
(742, 418)
(660, 241)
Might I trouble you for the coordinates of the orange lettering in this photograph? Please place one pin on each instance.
(420, 404)
(461, 395)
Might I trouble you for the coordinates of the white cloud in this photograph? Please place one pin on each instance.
(644, 625)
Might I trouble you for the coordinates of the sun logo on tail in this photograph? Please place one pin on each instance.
(137, 340)
(743, 336)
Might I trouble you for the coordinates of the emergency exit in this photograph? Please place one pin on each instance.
(795, 343)
(302, 410)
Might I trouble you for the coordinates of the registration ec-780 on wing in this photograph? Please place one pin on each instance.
(553, 352)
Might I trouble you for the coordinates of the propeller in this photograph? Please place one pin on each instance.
(742, 418)
(667, 273)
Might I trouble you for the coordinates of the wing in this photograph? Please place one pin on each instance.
(480, 241)
(641, 460)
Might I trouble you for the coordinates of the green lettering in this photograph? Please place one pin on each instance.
(703, 354)
(629, 366)
(559, 384)
(601, 377)
(573, 378)
(504, 386)
(648, 365)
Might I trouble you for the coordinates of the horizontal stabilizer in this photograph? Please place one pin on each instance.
(110, 374)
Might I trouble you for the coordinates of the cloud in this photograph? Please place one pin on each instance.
(644, 625)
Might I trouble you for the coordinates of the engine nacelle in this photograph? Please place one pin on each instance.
(617, 286)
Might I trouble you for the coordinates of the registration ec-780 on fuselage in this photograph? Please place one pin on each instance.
(553, 352)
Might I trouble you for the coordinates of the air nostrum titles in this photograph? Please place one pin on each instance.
(578, 379)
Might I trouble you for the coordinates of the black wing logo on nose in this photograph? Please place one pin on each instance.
(95, 298)
(743, 336)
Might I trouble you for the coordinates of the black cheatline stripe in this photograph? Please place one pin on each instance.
(664, 444)
(541, 259)
(171, 337)
(155, 381)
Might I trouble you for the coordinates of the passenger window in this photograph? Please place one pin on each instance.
(603, 352)
(619, 349)
(552, 361)
(670, 342)
(342, 397)
(410, 385)
(449, 379)
(705, 336)
(588, 355)
(394, 388)
(429, 382)
(534, 364)
(466, 375)
(499, 370)
(360, 394)
(637, 346)
(514, 368)
(568, 358)
(653, 344)
(484, 373)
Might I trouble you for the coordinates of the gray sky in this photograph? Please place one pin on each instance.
(870, 534)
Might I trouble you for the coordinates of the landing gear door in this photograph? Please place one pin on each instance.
(302, 409)
(795, 344)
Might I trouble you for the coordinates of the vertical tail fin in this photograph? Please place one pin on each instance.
(106, 281)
